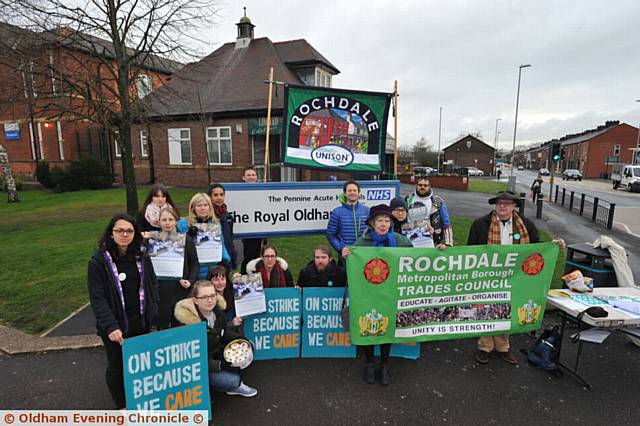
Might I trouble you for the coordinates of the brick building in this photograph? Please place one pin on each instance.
(39, 112)
(470, 151)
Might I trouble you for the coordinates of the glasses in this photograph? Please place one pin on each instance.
(269, 256)
(210, 298)
(124, 231)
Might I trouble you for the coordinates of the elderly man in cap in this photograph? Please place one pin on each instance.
(502, 226)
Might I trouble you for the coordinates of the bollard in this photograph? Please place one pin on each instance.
(612, 209)
(582, 204)
(523, 199)
(564, 193)
(571, 200)
(594, 214)
(539, 207)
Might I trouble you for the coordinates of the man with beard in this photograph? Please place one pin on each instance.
(322, 271)
(433, 227)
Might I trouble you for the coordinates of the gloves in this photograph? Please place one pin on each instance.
(192, 231)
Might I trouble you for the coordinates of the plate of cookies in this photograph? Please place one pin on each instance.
(238, 353)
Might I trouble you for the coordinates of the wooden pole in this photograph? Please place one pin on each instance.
(266, 152)
(395, 128)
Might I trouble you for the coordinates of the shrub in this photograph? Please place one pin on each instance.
(85, 174)
(16, 179)
(43, 175)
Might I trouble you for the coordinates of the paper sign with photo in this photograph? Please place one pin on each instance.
(167, 254)
(418, 229)
(248, 295)
(208, 243)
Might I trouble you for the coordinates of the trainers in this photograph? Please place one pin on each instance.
(243, 390)
(482, 357)
(385, 378)
(369, 373)
(508, 357)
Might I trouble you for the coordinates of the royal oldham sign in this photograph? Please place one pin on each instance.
(334, 129)
(411, 294)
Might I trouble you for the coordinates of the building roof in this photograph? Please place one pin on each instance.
(588, 134)
(465, 137)
(299, 52)
(230, 80)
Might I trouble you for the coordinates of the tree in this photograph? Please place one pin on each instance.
(424, 154)
(121, 38)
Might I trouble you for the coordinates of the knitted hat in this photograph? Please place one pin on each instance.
(375, 211)
(397, 203)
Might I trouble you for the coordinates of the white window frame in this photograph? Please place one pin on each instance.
(144, 144)
(116, 147)
(144, 85)
(616, 149)
(219, 139)
(174, 136)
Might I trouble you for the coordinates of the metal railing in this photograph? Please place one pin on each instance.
(600, 211)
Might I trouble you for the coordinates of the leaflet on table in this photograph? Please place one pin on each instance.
(208, 242)
(248, 294)
(418, 229)
(166, 251)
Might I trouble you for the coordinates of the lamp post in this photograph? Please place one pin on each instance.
(636, 153)
(515, 124)
(439, 136)
(495, 147)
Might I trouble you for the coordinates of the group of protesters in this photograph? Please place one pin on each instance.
(128, 299)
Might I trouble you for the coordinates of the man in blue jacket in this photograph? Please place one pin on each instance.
(348, 221)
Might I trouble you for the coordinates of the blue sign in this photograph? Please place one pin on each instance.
(322, 332)
(167, 370)
(11, 131)
(276, 333)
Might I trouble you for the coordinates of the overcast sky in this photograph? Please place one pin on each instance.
(464, 56)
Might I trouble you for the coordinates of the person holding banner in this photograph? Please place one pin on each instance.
(435, 228)
(502, 226)
(206, 305)
(274, 269)
(379, 234)
(347, 222)
(322, 271)
(149, 216)
(216, 193)
(209, 242)
(123, 292)
(174, 290)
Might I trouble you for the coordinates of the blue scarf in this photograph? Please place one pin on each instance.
(379, 240)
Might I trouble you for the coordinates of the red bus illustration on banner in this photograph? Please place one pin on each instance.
(335, 127)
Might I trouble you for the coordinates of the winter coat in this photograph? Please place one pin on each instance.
(439, 220)
(346, 224)
(183, 226)
(366, 240)
(105, 299)
(222, 333)
(311, 277)
(226, 222)
(479, 233)
(256, 266)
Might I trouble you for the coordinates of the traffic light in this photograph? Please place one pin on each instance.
(556, 152)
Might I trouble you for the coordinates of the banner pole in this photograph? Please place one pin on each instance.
(395, 129)
(266, 152)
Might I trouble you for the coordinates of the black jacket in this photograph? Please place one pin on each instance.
(479, 233)
(105, 300)
(143, 223)
(226, 222)
(311, 277)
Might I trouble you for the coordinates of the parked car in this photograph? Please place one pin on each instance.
(473, 171)
(626, 176)
(571, 174)
(423, 171)
(544, 172)
(520, 167)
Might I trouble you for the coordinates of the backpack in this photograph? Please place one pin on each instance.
(545, 351)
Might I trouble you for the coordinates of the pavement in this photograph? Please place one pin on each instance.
(446, 385)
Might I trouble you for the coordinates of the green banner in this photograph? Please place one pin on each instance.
(412, 295)
(331, 129)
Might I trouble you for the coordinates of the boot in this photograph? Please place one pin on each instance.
(369, 372)
(385, 378)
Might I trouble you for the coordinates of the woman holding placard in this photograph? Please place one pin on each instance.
(203, 226)
(217, 193)
(379, 233)
(184, 265)
(157, 199)
(274, 269)
(218, 276)
(123, 292)
(205, 305)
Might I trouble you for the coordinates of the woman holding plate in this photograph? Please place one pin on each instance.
(205, 305)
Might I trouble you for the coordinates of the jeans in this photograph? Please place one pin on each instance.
(224, 381)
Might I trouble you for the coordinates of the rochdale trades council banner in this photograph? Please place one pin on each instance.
(411, 294)
(334, 129)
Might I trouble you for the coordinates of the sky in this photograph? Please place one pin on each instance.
(464, 56)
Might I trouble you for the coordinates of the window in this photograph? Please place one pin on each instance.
(179, 146)
(116, 145)
(616, 149)
(144, 148)
(318, 76)
(219, 145)
(257, 155)
(143, 85)
(328, 81)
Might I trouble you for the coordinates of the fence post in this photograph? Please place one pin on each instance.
(555, 200)
(595, 209)
(571, 201)
(612, 209)
(539, 208)
(564, 193)
(582, 204)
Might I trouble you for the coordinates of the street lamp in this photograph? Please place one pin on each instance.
(495, 147)
(515, 125)
(439, 136)
(636, 153)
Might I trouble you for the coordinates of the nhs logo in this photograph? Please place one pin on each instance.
(379, 194)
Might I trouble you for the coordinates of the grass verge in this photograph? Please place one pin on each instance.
(486, 186)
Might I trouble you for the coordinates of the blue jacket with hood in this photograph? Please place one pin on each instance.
(346, 223)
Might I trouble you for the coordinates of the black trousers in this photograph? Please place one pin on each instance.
(250, 250)
(171, 292)
(385, 350)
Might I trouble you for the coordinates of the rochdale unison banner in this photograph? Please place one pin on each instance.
(410, 294)
(334, 129)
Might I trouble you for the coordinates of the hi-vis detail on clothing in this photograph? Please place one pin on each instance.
(334, 129)
(413, 295)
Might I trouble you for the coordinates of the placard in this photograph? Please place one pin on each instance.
(166, 252)
(248, 294)
(208, 243)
